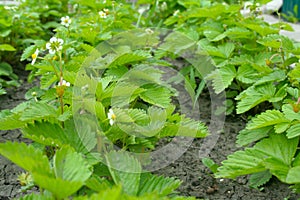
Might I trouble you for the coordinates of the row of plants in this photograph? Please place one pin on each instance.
(259, 70)
(100, 108)
(104, 104)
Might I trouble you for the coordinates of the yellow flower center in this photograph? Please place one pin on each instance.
(34, 56)
(113, 116)
(66, 20)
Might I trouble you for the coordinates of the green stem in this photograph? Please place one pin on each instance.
(54, 69)
(61, 100)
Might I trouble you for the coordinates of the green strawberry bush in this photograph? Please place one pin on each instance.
(104, 100)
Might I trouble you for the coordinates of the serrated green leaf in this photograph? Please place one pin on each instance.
(268, 118)
(277, 168)
(278, 75)
(45, 133)
(38, 110)
(125, 170)
(184, 127)
(294, 92)
(159, 96)
(258, 179)
(129, 58)
(253, 96)
(246, 136)
(277, 41)
(28, 52)
(238, 33)
(65, 167)
(157, 184)
(289, 113)
(261, 29)
(293, 131)
(58, 187)
(247, 74)
(208, 12)
(81, 134)
(240, 163)
(25, 156)
(227, 49)
(293, 175)
(296, 161)
(97, 183)
(284, 152)
(11, 121)
(222, 77)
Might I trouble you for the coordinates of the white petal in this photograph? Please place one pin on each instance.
(60, 41)
(51, 51)
(53, 39)
(36, 52)
(63, 19)
(111, 122)
(48, 45)
(33, 61)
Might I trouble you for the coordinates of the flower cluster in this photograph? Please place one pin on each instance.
(66, 21)
(54, 45)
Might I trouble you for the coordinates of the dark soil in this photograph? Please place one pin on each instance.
(197, 179)
(9, 185)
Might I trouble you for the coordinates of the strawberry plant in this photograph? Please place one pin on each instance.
(105, 98)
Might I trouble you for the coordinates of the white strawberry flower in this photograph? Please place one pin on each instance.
(102, 14)
(34, 56)
(64, 83)
(111, 116)
(55, 44)
(66, 21)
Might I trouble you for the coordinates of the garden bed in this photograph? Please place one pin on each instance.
(197, 180)
(132, 99)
